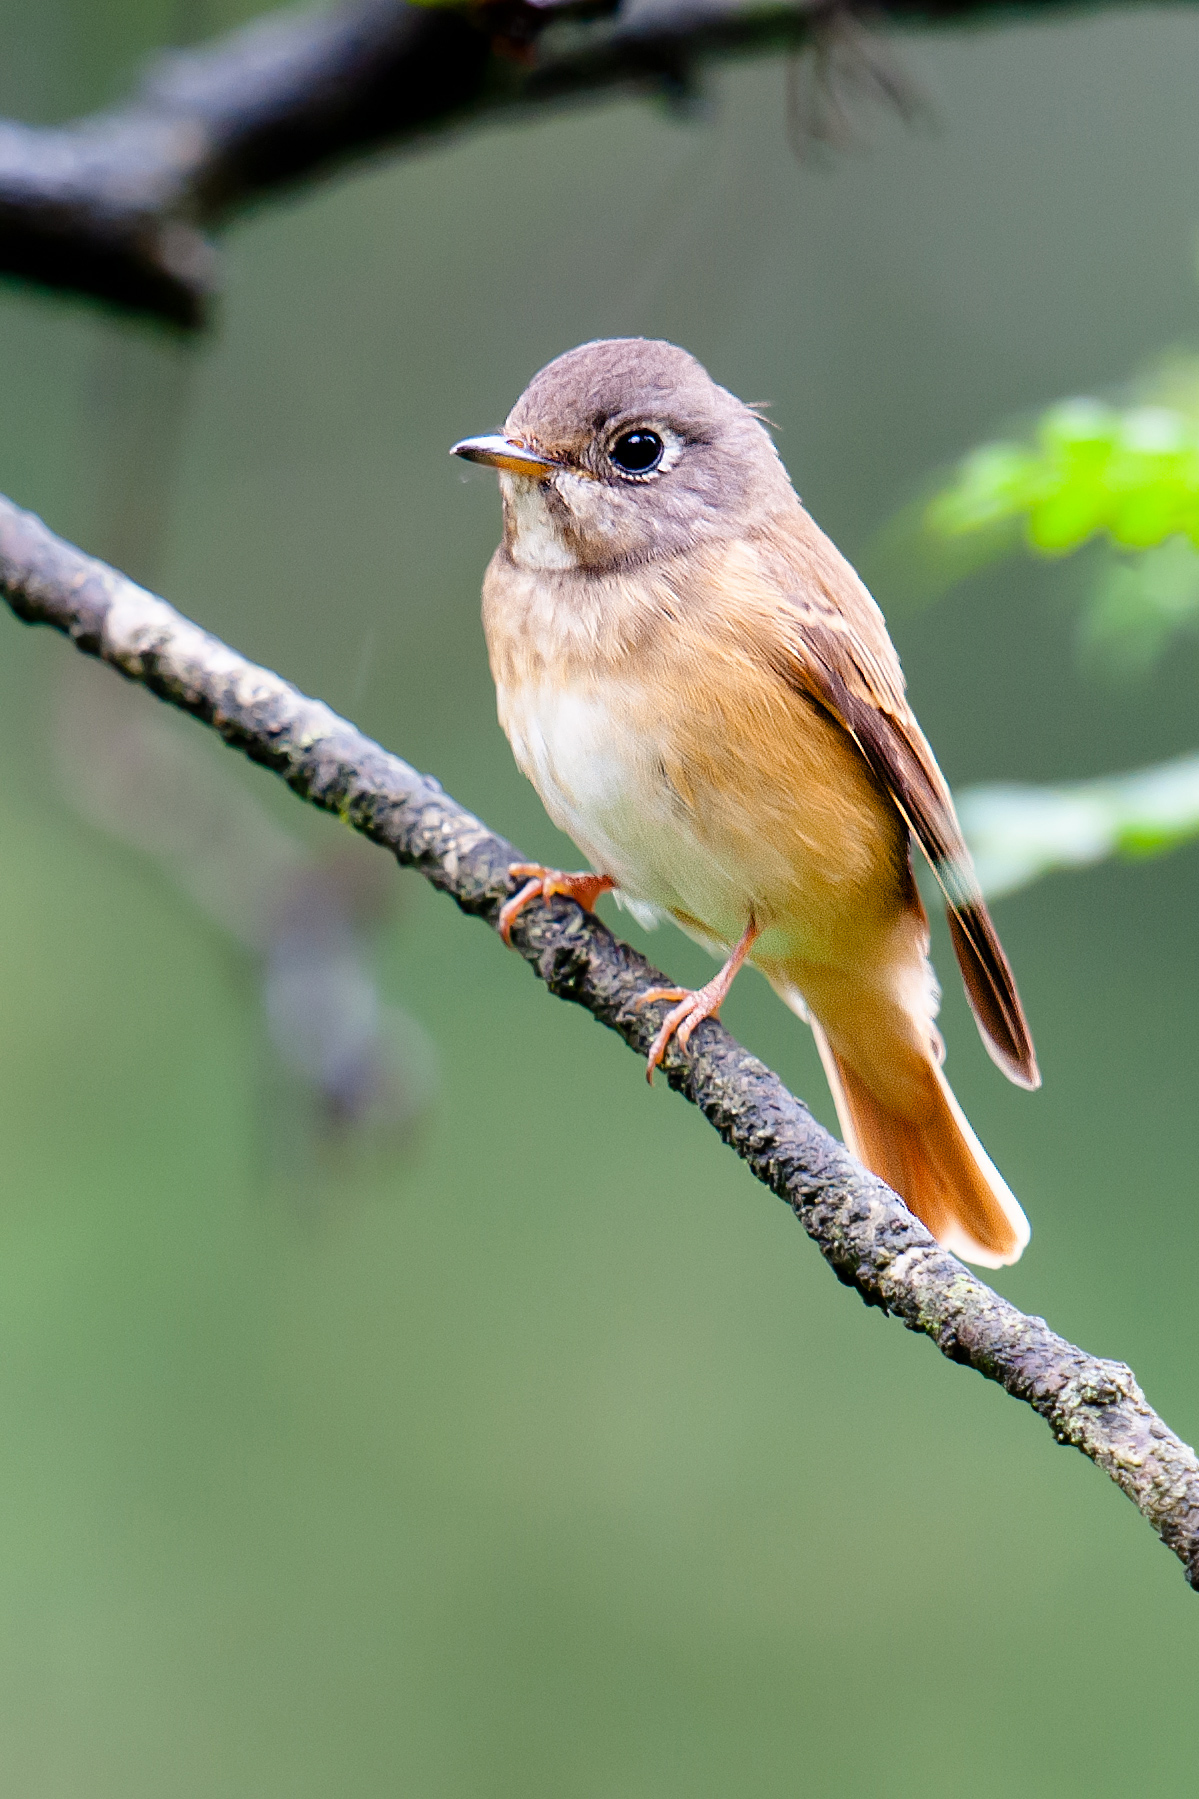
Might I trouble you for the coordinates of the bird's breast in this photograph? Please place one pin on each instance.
(600, 779)
(696, 819)
(684, 766)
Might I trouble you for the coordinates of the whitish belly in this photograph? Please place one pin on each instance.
(603, 782)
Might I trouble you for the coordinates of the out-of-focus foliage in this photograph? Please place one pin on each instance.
(1122, 483)
(1018, 834)
(1093, 469)
(1138, 603)
(1124, 479)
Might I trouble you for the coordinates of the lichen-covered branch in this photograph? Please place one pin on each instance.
(122, 205)
(868, 1236)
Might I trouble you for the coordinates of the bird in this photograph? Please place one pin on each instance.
(706, 698)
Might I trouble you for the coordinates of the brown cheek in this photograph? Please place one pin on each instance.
(603, 533)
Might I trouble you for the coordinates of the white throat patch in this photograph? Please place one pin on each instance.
(536, 541)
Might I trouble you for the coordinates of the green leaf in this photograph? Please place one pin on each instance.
(994, 483)
(1018, 834)
(1139, 603)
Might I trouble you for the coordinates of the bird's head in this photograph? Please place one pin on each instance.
(626, 450)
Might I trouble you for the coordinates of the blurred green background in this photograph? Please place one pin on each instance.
(541, 1455)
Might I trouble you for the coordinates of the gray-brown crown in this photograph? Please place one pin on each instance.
(719, 474)
(617, 379)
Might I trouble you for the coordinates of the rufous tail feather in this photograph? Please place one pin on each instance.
(933, 1161)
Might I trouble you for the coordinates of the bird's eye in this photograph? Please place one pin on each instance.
(637, 452)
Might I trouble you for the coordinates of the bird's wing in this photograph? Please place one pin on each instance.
(838, 650)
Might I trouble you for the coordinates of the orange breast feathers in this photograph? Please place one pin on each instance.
(654, 715)
(727, 732)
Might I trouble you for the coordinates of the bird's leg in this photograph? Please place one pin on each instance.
(694, 1004)
(543, 883)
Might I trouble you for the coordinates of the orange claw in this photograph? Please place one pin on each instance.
(543, 883)
(695, 1004)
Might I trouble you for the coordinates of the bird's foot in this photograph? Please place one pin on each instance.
(695, 1004)
(543, 883)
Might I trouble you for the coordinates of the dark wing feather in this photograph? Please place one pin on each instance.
(847, 662)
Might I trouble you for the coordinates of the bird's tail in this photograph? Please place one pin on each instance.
(881, 1052)
(928, 1153)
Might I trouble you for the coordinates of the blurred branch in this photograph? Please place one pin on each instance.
(871, 1240)
(360, 1067)
(120, 205)
(1018, 834)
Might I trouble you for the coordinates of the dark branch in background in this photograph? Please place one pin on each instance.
(121, 206)
(868, 1236)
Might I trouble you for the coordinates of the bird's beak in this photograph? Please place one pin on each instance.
(503, 452)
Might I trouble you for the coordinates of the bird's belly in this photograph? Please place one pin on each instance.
(602, 768)
(601, 782)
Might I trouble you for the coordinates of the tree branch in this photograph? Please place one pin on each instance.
(868, 1236)
(121, 205)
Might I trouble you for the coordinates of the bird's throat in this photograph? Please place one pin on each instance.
(534, 533)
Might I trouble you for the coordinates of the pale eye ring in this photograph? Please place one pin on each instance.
(637, 452)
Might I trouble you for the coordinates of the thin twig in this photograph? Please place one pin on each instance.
(122, 205)
(867, 1235)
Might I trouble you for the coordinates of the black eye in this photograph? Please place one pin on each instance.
(638, 452)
